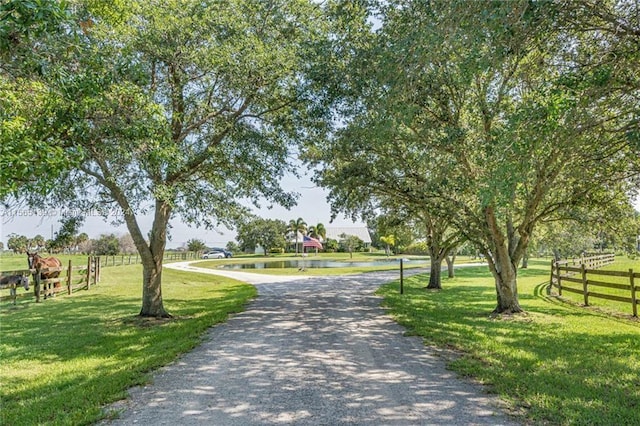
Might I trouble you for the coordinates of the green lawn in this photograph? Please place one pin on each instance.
(62, 360)
(10, 261)
(605, 305)
(558, 363)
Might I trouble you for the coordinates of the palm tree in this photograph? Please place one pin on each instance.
(296, 226)
(389, 240)
(38, 242)
(318, 232)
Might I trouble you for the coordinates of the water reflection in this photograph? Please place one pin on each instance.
(309, 263)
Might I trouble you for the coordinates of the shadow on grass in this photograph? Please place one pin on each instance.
(65, 358)
(559, 363)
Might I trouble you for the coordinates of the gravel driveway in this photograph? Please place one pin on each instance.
(309, 351)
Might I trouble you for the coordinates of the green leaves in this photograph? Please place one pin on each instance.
(266, 233)
(492, 116)
(23, 20)
(155, 98)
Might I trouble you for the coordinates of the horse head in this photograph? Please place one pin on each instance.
(31, 258)
(24, 281)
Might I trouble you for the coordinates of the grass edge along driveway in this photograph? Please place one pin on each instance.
(557, 364)
(66, 358)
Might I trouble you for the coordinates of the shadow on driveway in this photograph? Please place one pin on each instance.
(317, 351)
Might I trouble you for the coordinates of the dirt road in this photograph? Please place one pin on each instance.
(309, 351)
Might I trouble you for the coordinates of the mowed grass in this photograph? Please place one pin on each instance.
(621, 265)
(557, 364)
(11, 262)
(65, 358)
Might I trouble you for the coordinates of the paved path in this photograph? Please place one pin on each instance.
(309, 351)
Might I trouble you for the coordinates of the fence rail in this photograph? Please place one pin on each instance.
(132, 259)
(71, 278)
(588, 276)
(74, 277)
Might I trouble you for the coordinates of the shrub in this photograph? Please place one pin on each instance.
(419, 247)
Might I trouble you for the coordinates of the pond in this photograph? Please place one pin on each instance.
(310, 263)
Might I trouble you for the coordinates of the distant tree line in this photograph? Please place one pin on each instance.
(278, 236)
(105, 244)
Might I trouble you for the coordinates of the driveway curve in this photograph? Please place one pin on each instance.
(309, 351)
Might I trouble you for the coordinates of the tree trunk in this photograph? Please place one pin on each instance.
(506, 279)
(151, 256)
(151, 252)
(152, 305)
(503, 257)
(451, 260)
(435, 274)
(525, 260)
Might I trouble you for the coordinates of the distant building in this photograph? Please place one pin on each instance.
(358, 231)
(335, 233)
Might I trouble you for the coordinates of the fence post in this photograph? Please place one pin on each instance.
(559, 279)
(634, 300)
(97, 269)
(401, 277)
(551, 277)
(69, 278)
(585, 290)
(36, 287)
(88, 272)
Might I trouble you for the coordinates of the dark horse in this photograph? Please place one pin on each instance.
(38, 262)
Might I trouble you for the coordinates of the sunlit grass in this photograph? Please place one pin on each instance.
(62, 360)
(621, 264)
(558, 363)
(10, 261)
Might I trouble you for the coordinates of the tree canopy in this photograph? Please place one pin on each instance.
(480, 120)
(176, 108)
(491, 125)
(266, 233)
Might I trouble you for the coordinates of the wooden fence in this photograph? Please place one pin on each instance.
(132, 259)
(71, 278)
(565, 274)
(75, 277)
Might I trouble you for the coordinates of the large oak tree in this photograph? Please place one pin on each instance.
(178, 109)
(489, 111)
